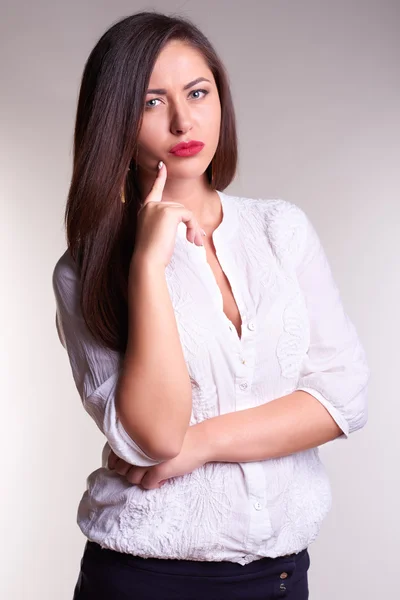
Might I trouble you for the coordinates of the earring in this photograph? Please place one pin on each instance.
(122, 194)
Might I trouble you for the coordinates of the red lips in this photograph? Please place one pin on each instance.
(186, 145)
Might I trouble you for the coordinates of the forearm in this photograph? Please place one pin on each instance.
(278, 428)
(154, 397)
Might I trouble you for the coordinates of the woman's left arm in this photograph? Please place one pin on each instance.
(330, 399)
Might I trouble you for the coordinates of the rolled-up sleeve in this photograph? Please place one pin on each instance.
(95, 368)
(335, 369)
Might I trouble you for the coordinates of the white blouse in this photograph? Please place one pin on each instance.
(295, 336)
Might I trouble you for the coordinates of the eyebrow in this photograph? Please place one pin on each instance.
(186, 87)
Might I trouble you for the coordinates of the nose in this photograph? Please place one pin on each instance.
(181, 121)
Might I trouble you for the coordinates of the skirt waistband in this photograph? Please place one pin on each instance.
(192, 567)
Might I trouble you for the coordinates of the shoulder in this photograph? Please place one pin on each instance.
(284, 223)
(275, 212)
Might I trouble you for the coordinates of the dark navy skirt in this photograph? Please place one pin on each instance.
(109, 575)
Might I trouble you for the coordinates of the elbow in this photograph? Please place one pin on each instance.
(154, 444)
(160, 445)
(159, 433)
(160, 441)
(161, 453)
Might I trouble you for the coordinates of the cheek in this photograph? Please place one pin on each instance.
(146, 134)
(149, 141)
(212, 121)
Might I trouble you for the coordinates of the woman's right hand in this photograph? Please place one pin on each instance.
(157, 225)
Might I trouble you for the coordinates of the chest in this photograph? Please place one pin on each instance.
(230, 307)
(240, 316)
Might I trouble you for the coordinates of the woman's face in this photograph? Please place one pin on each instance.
(179, 114)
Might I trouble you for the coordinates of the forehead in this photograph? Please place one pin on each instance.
(178, 63)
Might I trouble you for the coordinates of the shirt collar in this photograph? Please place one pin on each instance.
(229, 224)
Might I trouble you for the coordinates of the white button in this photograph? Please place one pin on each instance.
(257, 506)
(251, 326)
(243, 386)
(243, 361)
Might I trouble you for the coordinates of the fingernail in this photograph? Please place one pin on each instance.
(203, 232)
(160, 164)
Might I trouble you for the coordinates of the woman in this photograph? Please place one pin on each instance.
(216, 364)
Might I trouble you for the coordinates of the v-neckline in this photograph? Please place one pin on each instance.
(225, 230)
(221, 298)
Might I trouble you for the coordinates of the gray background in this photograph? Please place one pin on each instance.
(316, 90)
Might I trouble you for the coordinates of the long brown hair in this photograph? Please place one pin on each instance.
(100, 229)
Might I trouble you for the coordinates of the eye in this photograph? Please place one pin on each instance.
(205, 92)
(148, 105)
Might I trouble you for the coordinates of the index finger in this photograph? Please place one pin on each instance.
(155, 194)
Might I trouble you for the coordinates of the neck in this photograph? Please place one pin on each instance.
(194, 194)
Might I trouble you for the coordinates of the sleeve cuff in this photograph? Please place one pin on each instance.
(335, 414)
